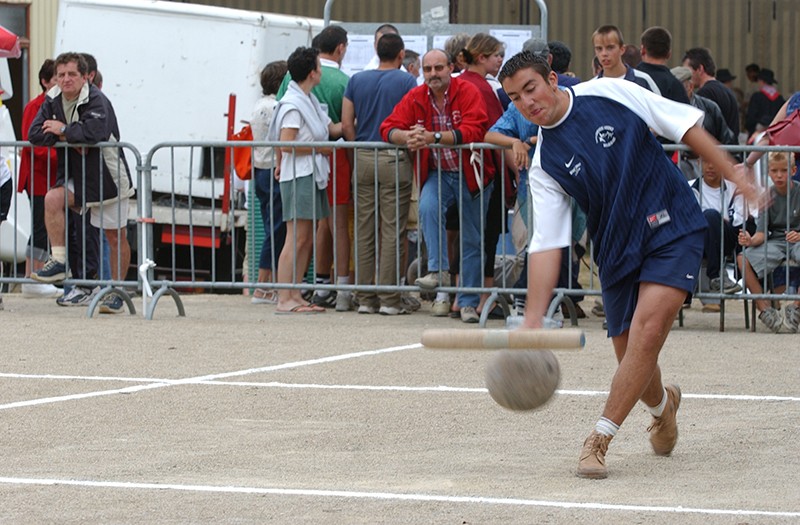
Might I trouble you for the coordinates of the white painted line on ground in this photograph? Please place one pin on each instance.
(88, 378)
(396, 496)
(443, 388)
(159, 383)
(43, 401)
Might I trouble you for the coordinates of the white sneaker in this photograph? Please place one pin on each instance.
(366, 309)
(41, 291)
(391, 310)
(78, 296)
(344, 301)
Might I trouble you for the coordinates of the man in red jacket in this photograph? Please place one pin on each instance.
(446, 110)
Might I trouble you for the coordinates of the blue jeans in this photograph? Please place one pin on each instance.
(272, 215)
(473, 217)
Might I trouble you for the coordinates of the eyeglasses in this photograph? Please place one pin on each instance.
(439, 68)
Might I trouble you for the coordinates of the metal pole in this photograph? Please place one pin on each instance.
(543, 18)
(327, 13)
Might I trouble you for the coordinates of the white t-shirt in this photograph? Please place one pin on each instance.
(300, 165)
(712, 197)
(259, 123)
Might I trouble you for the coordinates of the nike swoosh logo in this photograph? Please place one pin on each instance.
(568, 164)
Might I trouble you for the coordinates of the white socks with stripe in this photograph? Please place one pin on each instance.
(606, 427)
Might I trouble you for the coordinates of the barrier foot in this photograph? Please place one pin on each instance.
(566, 300)
(106, 291)
(489, 304)
(156, 296)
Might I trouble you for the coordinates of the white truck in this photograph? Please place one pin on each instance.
(169, 68)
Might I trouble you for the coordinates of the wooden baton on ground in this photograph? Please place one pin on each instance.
(566, 339)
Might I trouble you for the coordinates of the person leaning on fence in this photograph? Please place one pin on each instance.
(35, 178)
(370, 97)
(445, 111)
(77, 112)
(268, 189)
(299, 117)
(596, 146)
(782, 240)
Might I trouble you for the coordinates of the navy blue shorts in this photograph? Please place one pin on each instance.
(677, 265)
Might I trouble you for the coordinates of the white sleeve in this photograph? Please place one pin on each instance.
(292, 120)
(552, 210)
(666, 117)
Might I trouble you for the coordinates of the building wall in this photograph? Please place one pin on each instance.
(738, 32)
(42, 17)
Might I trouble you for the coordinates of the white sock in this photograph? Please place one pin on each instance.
(442, 296)
(323, 280)
(606, 427)
(659, 409)
(59, 253)
(344, 280)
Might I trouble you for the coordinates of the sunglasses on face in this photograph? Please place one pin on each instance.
(439, 68)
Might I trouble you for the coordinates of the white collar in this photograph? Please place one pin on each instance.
(328, 63)
(566, 113)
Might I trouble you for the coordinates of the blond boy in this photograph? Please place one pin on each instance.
(779, 227)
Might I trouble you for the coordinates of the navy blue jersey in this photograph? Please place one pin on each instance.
(604, 155)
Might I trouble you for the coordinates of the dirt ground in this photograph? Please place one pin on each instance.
(236, 415)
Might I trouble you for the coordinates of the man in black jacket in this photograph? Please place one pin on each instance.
(77, 112)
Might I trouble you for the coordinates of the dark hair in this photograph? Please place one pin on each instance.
(47, 72)
(91, 63)
(562, 56)
(607, 30)
(700, 56)
(272, 76)
(657, 42)
(411, 57)
(753, 68)
(389, 47)
(66, 58)
(98, 78)
(386, 29)
(631, 56)
(302, 62)
(329, 39)
(524, 60)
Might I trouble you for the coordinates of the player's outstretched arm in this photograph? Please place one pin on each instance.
(543, 270)
(707, 147)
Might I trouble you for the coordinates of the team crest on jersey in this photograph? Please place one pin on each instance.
(456, 117)
(605, 136)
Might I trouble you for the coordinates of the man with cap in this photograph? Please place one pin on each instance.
(764, 104)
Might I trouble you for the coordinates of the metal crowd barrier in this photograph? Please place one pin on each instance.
(18, 231)
(189, 228)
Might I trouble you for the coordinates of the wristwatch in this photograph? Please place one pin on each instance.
(437, 136)
(63, 129)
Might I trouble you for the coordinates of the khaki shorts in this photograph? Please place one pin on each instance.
(114, 214)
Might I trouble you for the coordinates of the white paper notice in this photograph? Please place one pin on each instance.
(418, 43)
(513, 39)
(439, 41)
(359, 52)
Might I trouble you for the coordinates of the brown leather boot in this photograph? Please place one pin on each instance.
(664, 430)
(592, 463)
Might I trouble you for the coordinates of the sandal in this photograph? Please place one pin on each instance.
(264, 297)
(303, 309)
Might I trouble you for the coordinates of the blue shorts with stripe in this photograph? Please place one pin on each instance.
(676, 264)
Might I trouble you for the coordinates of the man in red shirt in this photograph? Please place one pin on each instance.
(35, 179)
(448, 111)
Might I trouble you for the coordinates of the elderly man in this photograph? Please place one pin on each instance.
(446, 110)
(78, 112)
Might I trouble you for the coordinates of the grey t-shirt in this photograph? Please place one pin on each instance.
(773, 219)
